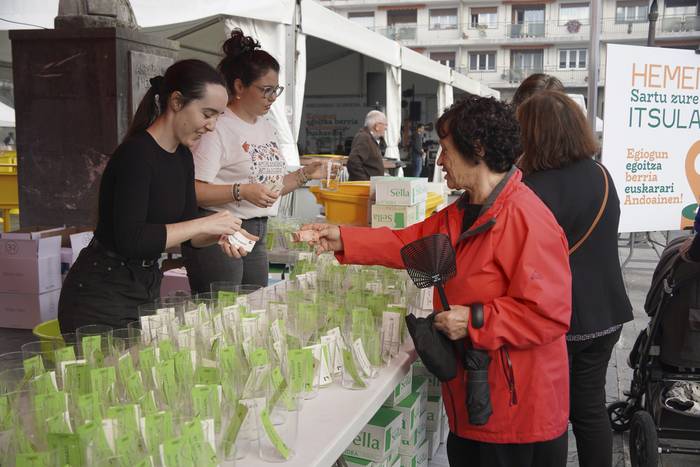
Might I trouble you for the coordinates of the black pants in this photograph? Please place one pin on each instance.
(468, 453)
(211, 264)
(588, 364)
(100, 289)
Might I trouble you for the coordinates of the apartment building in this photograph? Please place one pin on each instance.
(501, 42)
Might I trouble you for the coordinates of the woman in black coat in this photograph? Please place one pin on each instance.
(557, 162)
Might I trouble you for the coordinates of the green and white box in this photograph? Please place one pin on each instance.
(379, 438)
(418, 435)
(401, 390)
(418, 459)
(411, 410)
(360, 462)
(434, 385)
(434, 412)
(419, 384)
(433, 443)
(397, 217)
(445, 427)
(396, 462)
(399, 191)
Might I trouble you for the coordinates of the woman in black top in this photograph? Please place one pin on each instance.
(557, 163)
(147, 201)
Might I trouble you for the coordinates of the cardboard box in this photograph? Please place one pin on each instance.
(397, 217)
(411, 410)
(416, 438)
(24, 311)
(401, 390)
(434, 385)
(419, 384)
(30, 266)
(418, 459)
(380, 438)
(434, 410)
(352, 461)
(445, 430)
(399, 191)
(433, 443)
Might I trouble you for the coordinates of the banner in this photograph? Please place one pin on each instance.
(651, 139)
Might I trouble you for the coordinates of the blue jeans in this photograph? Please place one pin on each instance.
(211, 264)
(416, 165)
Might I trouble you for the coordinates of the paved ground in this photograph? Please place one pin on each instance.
(637, 279)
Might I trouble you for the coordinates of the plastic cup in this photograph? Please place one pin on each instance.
(95, 356)
(278, 429)
(10, 360)
(42, 348)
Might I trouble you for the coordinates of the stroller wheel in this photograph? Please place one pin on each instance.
(618, 413)
(644, 450)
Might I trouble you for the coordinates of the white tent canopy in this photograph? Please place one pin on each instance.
(207, 23)
(7, 116)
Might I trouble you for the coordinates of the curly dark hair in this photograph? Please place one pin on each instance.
(486, 122)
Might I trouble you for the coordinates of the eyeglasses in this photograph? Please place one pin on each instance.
(270, 91)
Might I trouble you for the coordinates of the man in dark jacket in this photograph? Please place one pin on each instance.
(365, 158)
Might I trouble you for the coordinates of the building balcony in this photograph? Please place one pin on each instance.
(554, 31)
(507, 77)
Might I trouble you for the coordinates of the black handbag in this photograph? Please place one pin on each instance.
(433, 347)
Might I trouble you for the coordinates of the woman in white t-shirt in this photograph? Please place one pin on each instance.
(239, 167)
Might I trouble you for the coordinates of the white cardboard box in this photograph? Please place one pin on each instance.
(380, 438)
(435, 411)
(417, 436)
(24, 311)
(399, 191)
(401, 390)
(30, 266)
(418, 459)
(397, 217)
(433, 443)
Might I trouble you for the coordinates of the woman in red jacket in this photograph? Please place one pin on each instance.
(512, 259)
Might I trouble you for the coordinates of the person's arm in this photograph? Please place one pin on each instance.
(371, 246)
(536, 308)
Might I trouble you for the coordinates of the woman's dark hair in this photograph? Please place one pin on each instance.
(554, 132)
(533, 84)
(482, 121)
(189, 77)
(244, 60)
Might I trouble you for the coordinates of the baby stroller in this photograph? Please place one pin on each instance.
(666, 361)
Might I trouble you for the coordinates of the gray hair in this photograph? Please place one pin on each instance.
(374, 117)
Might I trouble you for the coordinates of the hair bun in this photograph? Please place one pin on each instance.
(239, 44)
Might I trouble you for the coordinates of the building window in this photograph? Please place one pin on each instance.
(401, 17)
(446, 58)
(530, 61)
(482, 61)
(443, 18)
(484, 17)
(363, 18)
(573, 59)
(631, 12)
(573, 12)
(681, 7)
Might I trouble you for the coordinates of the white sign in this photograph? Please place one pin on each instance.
(652, 135)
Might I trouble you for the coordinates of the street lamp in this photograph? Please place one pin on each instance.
(653, 16)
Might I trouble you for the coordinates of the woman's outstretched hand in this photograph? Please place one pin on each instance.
(327, 237)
